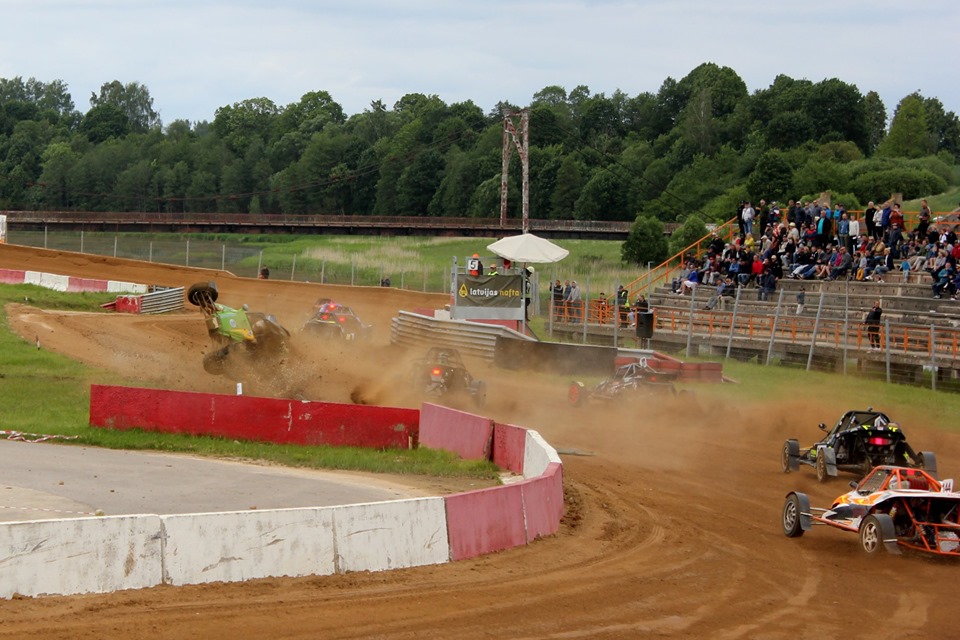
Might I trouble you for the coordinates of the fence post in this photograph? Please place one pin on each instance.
(44, 235)
(693, 295)
(585, 309)
(816, 327)
(114, 246)
(401, 278)
(733, 321)
(933, 357)
(773, 329)
(150, 259)
(81, 239)
(353, 268)
(846, 322)
(187, 259)
(323, 271)
(223, 258)
(886, 345)
(293, 269)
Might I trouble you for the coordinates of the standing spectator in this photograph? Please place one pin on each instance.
(843, 230)
(896, 216)
(924, 220)
(763, 215)
(623, 304)
(872, 320)
(557, 292)
(748, 215)
(801, 299)
(573, 301)
(868, 221)
(740, 226)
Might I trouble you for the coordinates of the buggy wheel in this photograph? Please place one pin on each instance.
(202, 292)
(576, 393)
(790, 456)
(822, 475)
(877, 532)
(792, 517)
(928, 462)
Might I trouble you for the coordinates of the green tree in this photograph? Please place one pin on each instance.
(104, 122)
(570, 180)
(692, 229)
(645, 243)
(603, 198)
(133, 99)
(771, 178)
(876, 120)
(909, 136)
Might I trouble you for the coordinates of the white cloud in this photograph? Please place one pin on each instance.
(197, 56)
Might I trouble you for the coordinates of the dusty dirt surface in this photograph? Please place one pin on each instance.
(672, 520)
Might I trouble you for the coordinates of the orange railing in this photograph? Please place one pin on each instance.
(671, 267)
(902, 339)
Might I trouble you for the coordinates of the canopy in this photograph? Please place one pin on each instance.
(528, 248)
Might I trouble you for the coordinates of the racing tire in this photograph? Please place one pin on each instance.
(792, 517)
(200, 291)
(928, 462)
(790, 456)
(821, 465)
(576, 394)
(877, 532)
(214, 362)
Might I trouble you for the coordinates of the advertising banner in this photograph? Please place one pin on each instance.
(488, 298)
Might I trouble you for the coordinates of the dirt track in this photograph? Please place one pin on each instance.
(672, 527)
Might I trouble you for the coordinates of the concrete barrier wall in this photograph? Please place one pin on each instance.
(12, 276)
(252, 418)
(390, 535)
(97, 555)
(85, 284)
(485, 521)
(81, 555)
(469, 436)
(509, 445)
(538, 455)
(245, 545)
(543, 503)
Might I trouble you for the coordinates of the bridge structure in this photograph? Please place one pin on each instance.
(269, 223)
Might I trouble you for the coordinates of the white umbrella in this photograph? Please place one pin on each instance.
(527, 247)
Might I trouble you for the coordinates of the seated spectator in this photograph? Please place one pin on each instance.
(944, 281)
(841, 267)
(688, 285)
(883, 267)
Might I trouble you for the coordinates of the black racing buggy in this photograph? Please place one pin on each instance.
(860, 441)
(630, 381)
(254, 334)
(334, 321)
(441, 374)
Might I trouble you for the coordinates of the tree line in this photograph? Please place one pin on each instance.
(698, 145)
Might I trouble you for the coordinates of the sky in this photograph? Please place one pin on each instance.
(199, 55)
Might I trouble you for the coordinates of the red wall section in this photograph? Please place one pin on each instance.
(129, 304)
(251, 418)
(509, 445)
(485, 521)
(463, 433)
(12, 276)
(543, 502)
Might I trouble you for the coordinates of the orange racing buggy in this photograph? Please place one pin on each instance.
(891, 508)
